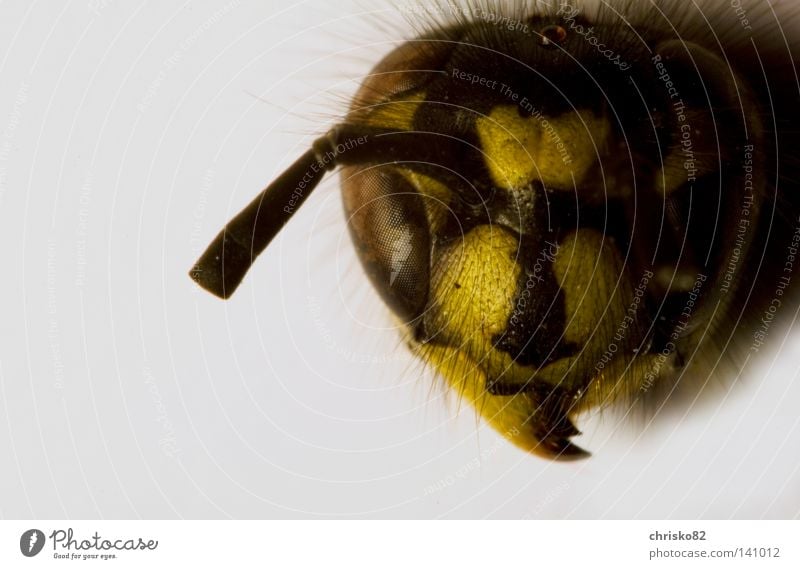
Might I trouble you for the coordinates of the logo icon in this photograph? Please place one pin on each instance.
(31, 542)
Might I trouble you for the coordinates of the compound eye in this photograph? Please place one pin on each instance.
(552, 36)
(389, 227)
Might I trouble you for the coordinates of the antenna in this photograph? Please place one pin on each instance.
(230, 255)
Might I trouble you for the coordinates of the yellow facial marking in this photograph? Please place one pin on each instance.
(474, 286)
(603, 318)
(588, 269)
(474, 283)
(436, 197)
(548, 149)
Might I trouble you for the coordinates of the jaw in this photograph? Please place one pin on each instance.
(534, 421)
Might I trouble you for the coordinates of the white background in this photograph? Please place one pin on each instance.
(129, 134)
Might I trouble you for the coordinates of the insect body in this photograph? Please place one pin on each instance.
(567, 213)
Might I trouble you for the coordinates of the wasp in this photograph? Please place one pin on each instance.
(567, 207)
